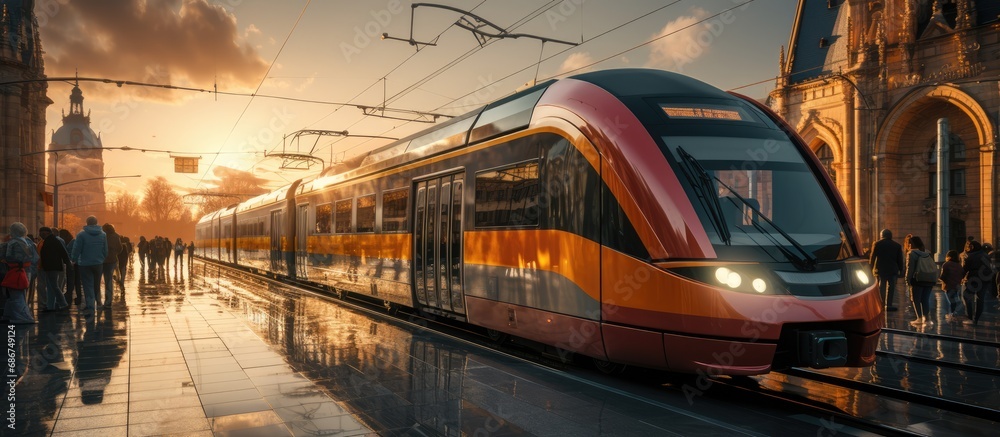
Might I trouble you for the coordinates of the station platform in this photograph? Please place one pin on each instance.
(188, 352)
(199, 351)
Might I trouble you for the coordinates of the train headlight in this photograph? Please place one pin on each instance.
(746, 278)
(722, 274)
(734, 280)
(862, 277)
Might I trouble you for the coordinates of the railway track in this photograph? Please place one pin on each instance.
(791, 392)
(927, 412)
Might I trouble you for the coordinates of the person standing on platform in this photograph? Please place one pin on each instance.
(951, 284)
(190, 248)
(89, 252)
(920, 287)
(110, 262)
(123, 257)
(978, 277)
(19, 254)
(178, 254)
(61, 282)
(53, 258)
(143, 251)
(72, 275)
(886, 259)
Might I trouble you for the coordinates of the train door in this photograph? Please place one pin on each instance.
(301, 251)
(437, 242)
(275, 249)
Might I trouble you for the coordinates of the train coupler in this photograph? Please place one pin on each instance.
(822, 349)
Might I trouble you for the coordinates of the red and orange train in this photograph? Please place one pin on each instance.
(635, 216)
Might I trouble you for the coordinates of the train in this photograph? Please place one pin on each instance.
(638, 217)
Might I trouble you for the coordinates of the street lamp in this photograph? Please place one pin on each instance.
(55, 192)
(55, 171)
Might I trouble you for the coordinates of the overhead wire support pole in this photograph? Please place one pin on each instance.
(474, 25)
(295, 160)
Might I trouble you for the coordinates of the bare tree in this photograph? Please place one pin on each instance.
(232, 186)
(124, 205)
(160, 202)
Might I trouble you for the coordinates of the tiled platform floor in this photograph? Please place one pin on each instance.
(192, 352)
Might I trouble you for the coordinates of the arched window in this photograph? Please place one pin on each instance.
(825, 156)
(956, 158)
(956, 149)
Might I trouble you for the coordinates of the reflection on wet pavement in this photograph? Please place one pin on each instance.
(194, 352)
(197, 352)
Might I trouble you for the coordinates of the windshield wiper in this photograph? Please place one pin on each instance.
(807, 261)
(701, 181)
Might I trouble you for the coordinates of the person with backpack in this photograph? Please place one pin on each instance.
(978, 278)
(178, 254)
(951, 283)
(20, 254)
(921, 274)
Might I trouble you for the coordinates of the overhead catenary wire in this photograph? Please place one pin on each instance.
(530, 16)
(521, 22)
(262, 79)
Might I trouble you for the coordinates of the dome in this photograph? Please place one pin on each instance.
(78, 134)
(75, 131)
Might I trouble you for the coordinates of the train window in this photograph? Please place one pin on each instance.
(505, 115)
(324, 218)
(394, 210)
(508, 196)
(342, 217)
(366, 213)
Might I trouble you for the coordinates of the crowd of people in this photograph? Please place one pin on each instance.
(965, 278)
(63, 270)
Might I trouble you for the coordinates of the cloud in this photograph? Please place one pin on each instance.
(576, 63)
(251, 31)
(673, 52)
(181, 42)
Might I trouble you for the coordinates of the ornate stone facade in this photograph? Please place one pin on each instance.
(22, 117)
(865, 81)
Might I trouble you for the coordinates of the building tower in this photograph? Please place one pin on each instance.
(864, 83)
(82, 160)
(22, 116)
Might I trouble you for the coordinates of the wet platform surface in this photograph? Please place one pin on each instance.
(196, 352)
(179, 353)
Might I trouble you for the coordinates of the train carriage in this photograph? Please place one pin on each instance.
(634, 216)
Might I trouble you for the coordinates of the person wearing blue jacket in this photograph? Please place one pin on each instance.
(89, 252)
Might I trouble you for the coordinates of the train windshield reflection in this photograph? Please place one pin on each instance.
(763, 195)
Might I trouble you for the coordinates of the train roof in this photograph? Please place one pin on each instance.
(629, 82)
(265, 199)
(497, 118)
(505, 115)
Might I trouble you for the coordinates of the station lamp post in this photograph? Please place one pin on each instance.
(55, 193)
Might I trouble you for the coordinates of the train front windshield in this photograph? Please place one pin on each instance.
(758, 199)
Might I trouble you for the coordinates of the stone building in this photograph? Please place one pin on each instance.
(22, 117)
(82, 161)
(865, 81)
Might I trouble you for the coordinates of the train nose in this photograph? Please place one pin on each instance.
(820, 349)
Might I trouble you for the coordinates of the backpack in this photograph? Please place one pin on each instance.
(178, 248)
(926, 270)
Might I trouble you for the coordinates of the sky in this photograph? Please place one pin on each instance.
(309, 63)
